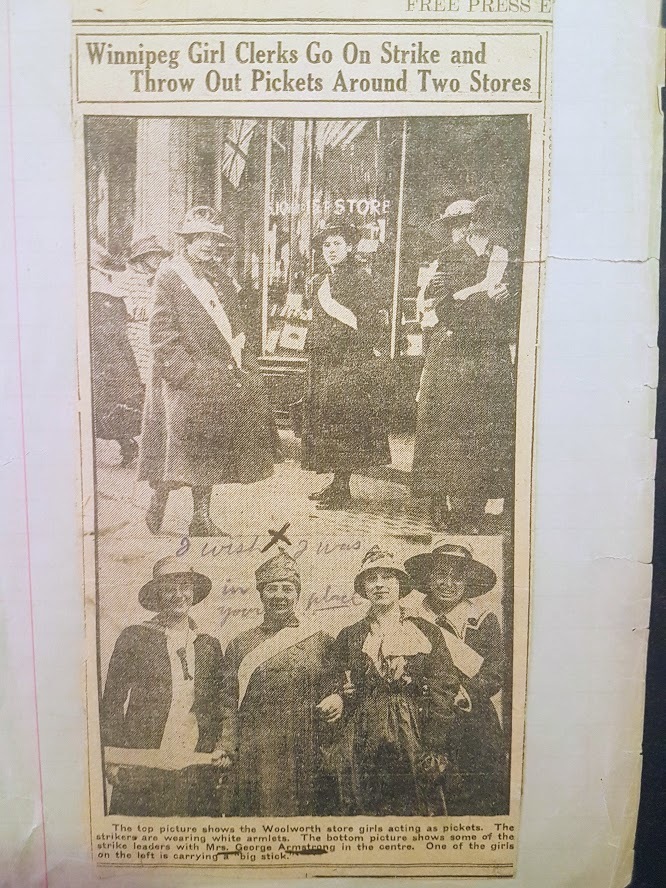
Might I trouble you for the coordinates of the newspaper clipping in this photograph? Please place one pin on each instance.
(309, 259)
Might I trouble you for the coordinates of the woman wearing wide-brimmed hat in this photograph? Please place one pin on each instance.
(162, 693)
(344, 421)
(207, 419)
(450, 585)
(117, 388)
(396, 691)
(465, 420)
(145, 255)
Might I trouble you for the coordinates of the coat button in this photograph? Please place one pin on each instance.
(230, 366)
(238, 385)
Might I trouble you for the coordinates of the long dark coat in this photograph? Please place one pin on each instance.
(133, 714)
(345, 405)
(477, 741)
(389, 726)
(205, 421)
(465, 420)
(117, 387)
(278, 770)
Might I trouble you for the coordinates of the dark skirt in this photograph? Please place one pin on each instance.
(478, 747)
(279, 768)
(376, 759)
(465, 425)
(117, 392)
(345, 424)
(153, 792)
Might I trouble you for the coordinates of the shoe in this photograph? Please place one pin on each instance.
(129, 450)
(205, 527)
(320, 495)
(156, 510)
(336, 500)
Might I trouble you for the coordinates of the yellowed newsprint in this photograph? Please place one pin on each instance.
(310, 250)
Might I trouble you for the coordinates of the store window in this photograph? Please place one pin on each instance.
(318, 170)
(393, 178)
(288, 238)
(277, 181)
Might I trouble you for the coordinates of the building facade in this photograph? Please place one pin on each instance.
(276, 182)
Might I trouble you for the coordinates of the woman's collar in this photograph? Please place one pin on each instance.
(469, 612)
(396, 635)
(478, 243)
(275, 624)
(156, 624)
(341, 266)
(395, 614)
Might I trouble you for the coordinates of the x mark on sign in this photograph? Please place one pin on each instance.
(278, 536)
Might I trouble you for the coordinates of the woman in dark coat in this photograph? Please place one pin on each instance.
(275, 675)
(117, 388)
(452, 580)
(207, 418)
(162, 693)
(344, 423)
(465, 420)
(397, 686)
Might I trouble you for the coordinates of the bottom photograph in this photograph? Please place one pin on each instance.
(316, 678)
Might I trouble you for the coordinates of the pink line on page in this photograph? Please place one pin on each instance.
(22, 430)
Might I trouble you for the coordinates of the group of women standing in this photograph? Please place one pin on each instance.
(207, 419)
(419, 732)
(465, 418)
(394, 716)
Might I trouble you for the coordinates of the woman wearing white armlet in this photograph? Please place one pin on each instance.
(465, 420)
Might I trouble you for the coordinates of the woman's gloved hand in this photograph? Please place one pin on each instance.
(432, 765)
(330, 709)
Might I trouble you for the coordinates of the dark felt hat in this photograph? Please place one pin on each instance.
(479, 578)
(338, 225)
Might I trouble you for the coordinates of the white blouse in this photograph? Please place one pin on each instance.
(392, 638)
(181, 732)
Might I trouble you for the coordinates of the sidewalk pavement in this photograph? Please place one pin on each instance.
(381, 507)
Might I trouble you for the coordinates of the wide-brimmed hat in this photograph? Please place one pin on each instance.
(382, 559)
(203, 220)
(458, 211)
(338, 225)
(479, 578)
(280, 568)
(145, 245)
(164, 572)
